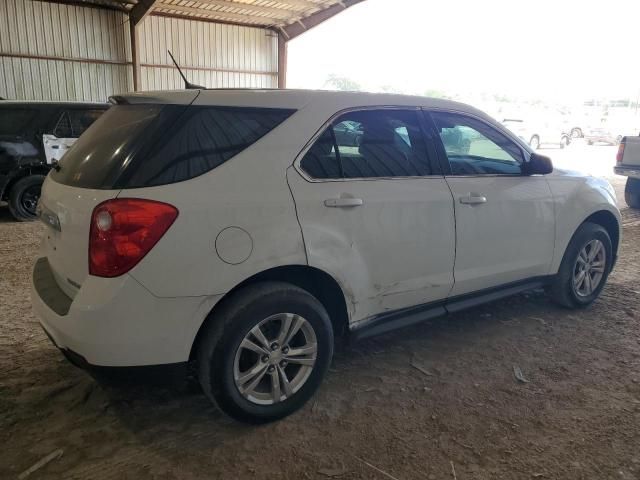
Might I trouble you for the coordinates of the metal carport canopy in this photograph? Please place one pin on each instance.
(289, 18)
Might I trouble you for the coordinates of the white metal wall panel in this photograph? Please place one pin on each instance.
(61, 52)
(211, 54)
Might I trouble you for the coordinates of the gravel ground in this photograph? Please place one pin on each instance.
(436, 401)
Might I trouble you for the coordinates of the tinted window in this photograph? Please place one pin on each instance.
(99, 157)
(63, 127)
(370, 143)
(15, 120)
(321, 160)
(204, 138)
(133, 146)
(475, 148)
(82, 119)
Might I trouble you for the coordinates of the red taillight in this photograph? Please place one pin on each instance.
(620, 153)
(123, 231)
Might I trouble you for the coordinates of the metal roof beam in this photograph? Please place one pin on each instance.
(114, 5)
(305, 24)
(141, 10)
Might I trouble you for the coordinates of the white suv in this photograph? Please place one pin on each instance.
(235, 230)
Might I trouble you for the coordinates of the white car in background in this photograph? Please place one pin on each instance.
(232, 230)
(539, 133)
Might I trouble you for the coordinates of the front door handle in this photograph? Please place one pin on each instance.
(473, 199)
(343, 202)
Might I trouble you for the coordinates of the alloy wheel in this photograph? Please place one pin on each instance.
(29, 199)
(275, 359)
(589, 268)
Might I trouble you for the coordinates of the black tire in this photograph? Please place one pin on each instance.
(564, 141)
(561, 289)
(233, 321)
(589, 142)
(23, 197)
(632, 192)
(618, 140)
(534, 142)
(576, 133)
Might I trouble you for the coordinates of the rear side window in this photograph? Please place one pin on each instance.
(132, 146)
(202, 139)
(73, 123)
(15, 121)
(370, 144)
(63, 127)
(82, 119)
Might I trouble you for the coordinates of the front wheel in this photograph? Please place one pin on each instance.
(24, 196)
(534, 142)
(564, 141)
(632, 192)
(266, 352)
(585, 267)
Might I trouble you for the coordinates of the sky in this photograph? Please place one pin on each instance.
(563, 51)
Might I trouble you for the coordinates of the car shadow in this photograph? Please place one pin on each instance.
(5, 214)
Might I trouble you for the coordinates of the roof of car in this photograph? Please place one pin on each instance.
(50, 103)
(289, 98)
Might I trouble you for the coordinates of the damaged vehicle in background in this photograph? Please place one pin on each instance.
(539, 133)
(33, 137)
(233, 231)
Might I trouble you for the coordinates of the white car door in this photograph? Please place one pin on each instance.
(504, 219)
(54, 147)
(71, 124)
(376, 213)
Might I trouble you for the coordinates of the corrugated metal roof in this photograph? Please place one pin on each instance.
(261, 13)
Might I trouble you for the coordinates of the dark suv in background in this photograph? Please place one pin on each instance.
(33, 137)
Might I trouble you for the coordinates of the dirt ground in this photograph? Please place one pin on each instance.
(460, 415)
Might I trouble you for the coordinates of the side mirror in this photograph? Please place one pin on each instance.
(538, 165)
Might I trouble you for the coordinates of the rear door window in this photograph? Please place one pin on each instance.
(370, 144)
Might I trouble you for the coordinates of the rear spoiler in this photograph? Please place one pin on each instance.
(166, 97)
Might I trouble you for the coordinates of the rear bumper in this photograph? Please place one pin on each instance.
(601, 138)
(627, 171)
(116, 322)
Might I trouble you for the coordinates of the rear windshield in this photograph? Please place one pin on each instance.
(133, 146)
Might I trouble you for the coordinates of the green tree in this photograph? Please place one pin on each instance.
(434, 93)
(337, 82)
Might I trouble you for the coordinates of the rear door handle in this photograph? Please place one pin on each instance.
(343, 202)
(473, 199)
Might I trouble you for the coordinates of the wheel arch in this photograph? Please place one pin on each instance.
(315, 281)
(609, 222)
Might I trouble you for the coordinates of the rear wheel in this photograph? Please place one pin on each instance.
(585, 267)
(576, 133)
(266, 352)
(24, 196)
(564, 141)
(632, 192)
